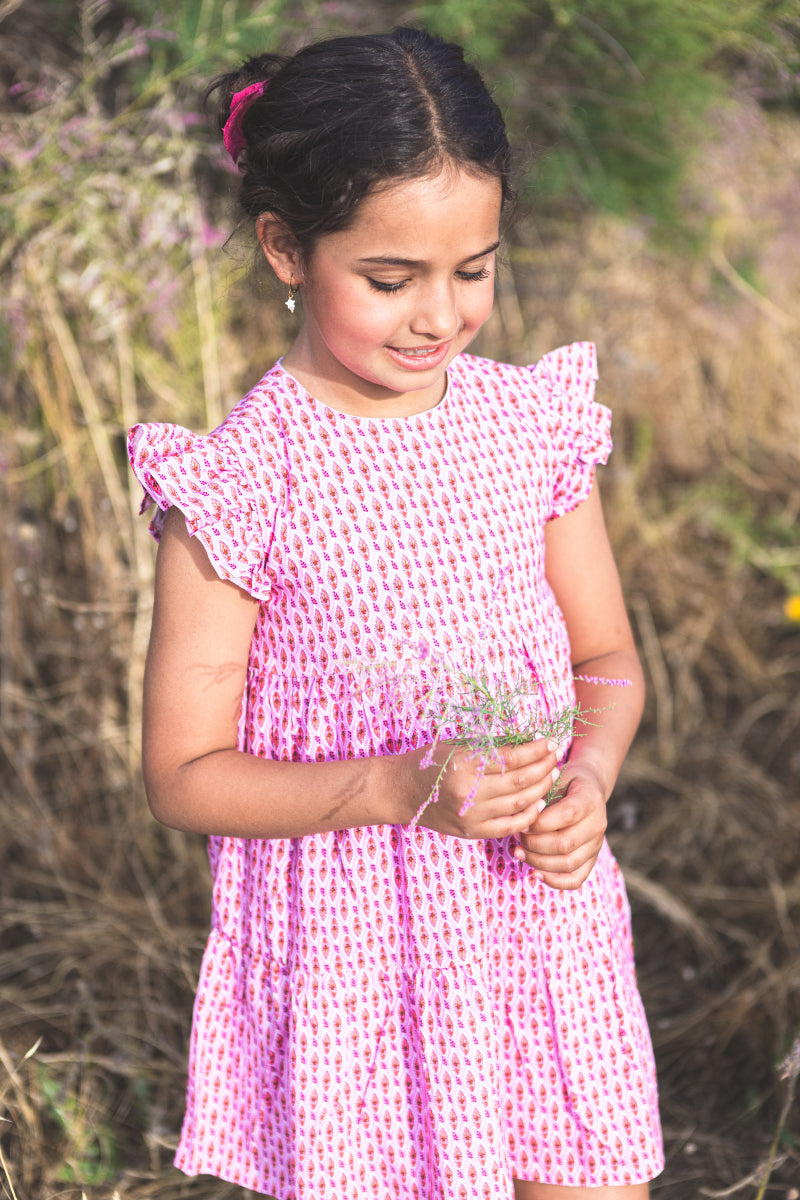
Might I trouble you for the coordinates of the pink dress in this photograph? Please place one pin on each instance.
(387, 1012)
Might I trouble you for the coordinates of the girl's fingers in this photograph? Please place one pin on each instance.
(565, 826)
(530, 801)
(519, 780)
(564, 842)
(510, 760)
(511, 825)
(504, 797)
(566, 851)
(568, 864)
(566, 883)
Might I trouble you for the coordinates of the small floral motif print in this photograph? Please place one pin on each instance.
(386, 1011)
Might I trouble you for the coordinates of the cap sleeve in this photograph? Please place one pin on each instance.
(212, 479)
(579, 427)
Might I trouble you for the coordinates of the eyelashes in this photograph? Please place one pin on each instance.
(473, 276)
(386, 288)
(391, 288)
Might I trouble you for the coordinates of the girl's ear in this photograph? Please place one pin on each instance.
(280, 248)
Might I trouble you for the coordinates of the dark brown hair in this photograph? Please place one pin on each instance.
(346, 115)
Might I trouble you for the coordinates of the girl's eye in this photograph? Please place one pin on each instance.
(377, 286)
(389, 288)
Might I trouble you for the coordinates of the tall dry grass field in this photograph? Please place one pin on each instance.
(120, 303)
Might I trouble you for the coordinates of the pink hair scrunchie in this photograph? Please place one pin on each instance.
(232, 134)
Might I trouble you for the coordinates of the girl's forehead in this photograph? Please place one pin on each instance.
(449, 208)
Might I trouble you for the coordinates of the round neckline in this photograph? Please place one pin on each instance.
(338, 412)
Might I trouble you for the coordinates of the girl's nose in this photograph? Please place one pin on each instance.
(436, 313)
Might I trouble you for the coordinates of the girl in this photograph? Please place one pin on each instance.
(398, 998)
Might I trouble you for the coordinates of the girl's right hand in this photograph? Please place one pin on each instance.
(508, 791)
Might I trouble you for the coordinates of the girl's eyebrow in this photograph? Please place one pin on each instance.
(387, 260)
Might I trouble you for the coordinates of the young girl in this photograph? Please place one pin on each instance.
(427, 1001)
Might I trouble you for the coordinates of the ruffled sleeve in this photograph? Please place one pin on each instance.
(579, 428)
(218, 484)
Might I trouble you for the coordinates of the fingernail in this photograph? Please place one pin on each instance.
(519, 854)
(541, 806)
(551, 745)
(555, 774)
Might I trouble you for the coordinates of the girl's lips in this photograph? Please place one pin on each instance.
(420, 358)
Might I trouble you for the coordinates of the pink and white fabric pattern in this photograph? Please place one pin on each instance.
(387, 1012)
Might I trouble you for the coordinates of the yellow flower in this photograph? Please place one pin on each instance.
(791, 608)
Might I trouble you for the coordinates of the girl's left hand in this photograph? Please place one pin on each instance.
(564, 841)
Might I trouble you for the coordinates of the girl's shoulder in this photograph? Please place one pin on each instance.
(547, 409)
(258, 413)
(228, 483)
(251, 430)
(560, 384)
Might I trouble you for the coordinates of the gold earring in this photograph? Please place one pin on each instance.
(290, 302)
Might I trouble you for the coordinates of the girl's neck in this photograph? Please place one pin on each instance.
(347, 393)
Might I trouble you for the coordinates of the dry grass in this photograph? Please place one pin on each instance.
(104, 914)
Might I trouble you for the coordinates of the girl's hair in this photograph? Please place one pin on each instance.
(346, 115)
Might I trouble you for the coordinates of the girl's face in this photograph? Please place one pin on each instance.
(390, 301)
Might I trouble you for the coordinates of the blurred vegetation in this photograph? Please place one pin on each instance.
(123, 300)
(607, 98)
(615, 92)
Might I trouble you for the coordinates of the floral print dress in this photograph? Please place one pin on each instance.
(388, 1012)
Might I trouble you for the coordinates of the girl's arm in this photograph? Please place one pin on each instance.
(196, 778)
(564, 841)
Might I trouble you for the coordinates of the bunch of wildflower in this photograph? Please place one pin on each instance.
(474, 707)
(486, 713)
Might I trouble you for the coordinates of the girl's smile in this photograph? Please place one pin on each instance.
(422, 358)
(392, 299)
